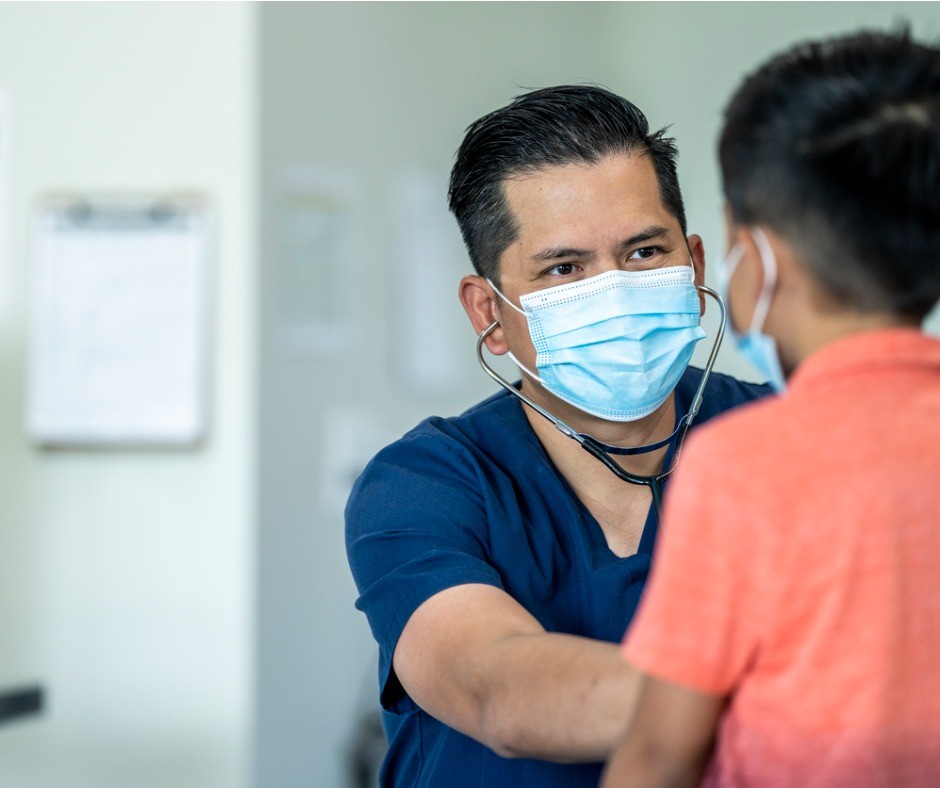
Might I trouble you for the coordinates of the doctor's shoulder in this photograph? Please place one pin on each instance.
(445, 450)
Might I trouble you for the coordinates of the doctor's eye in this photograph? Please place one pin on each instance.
(562, 269)
(645, 253)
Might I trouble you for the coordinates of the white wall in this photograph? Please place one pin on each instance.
(378, 94)
(680, 62)
(125, 577)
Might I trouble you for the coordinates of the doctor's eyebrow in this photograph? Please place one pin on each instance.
(653, 233)
(563, 252)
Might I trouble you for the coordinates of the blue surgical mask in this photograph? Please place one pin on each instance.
(616, 344)
(757, 347)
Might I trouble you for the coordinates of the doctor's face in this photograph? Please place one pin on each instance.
(579, 220)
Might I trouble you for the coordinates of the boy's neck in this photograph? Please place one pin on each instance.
(813, 330)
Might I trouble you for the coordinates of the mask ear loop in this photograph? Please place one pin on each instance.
(500, 294)
(769, 264)
(558, 423)
(522, 312)
(728, 264)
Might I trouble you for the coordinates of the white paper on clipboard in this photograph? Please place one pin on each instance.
(119, 324)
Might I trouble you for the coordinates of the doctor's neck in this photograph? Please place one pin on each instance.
(645, 431)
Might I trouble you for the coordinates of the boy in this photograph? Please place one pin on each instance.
(790, 631)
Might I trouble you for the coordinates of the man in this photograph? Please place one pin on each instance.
(497, 561)
(799, 648)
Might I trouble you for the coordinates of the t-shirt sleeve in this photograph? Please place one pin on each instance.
(415, 525)
(699, 622)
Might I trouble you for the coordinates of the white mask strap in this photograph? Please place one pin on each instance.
(524, 368)
(729, 264)
(509, 353)
(520, 311)
(769, 262)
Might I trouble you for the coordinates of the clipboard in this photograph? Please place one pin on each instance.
(118, 330)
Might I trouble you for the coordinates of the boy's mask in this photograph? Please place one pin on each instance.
(757, 347)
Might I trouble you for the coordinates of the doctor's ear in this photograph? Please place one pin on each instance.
(480, 303)
(697, 253)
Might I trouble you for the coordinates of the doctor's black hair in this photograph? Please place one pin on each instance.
(835, 144)
(541, 129)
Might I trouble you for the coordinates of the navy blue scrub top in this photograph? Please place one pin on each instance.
(475, 499)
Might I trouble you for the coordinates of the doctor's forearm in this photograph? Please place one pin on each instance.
(557, 697)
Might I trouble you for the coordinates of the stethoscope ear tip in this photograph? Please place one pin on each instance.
(488, 330)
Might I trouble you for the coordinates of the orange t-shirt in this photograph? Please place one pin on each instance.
(798, 571)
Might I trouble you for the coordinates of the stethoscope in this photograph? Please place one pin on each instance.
(602, 451)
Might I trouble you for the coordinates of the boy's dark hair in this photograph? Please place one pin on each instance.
(836, 146)
(541, 129)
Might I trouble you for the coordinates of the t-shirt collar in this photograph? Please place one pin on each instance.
(868, 350)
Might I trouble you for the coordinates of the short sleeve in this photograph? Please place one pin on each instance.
(698, 624)
(415, 525)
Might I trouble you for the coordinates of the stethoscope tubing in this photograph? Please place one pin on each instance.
(597, 449)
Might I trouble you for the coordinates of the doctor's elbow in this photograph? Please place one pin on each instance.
(504, 733)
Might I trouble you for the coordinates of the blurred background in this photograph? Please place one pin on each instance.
(188, 612)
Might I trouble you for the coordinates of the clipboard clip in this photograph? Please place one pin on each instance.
(124, 214)
(113, 213)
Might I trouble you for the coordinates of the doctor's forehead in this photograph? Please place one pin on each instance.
(617, 197)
